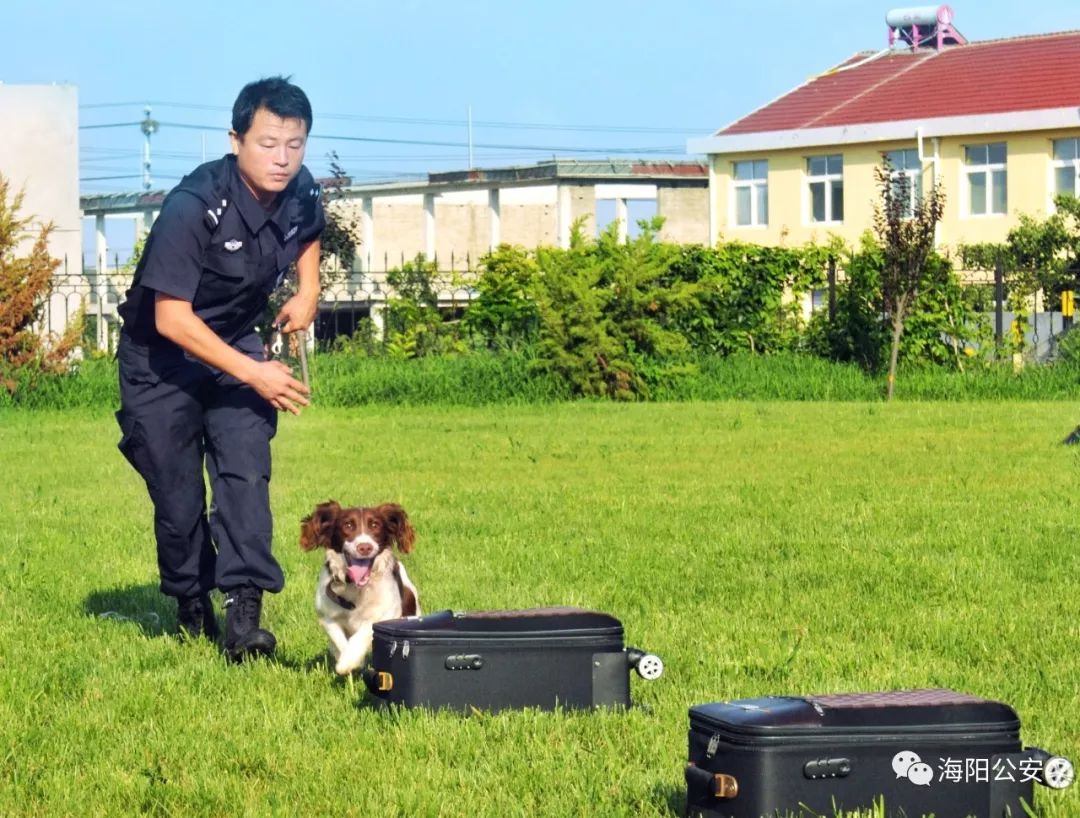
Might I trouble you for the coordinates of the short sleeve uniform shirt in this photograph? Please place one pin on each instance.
(214, 245)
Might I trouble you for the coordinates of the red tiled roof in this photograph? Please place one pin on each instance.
(991, 77)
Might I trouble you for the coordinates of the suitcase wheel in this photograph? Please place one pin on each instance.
(1057, 773)
(719, 786)
(378, 682)
(648, 665)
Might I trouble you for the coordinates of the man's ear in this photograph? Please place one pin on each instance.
(317, 528)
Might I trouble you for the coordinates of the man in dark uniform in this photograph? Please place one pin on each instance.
(195, 387)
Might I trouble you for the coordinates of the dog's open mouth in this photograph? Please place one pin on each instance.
(359, 571)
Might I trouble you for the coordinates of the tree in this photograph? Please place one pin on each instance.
(604, 310)
(414, 324)
(504, 313)
(25, 285)
(338, 239)
(906, 235)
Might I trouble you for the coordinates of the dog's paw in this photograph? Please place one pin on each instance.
(336, 565)
(343, 668)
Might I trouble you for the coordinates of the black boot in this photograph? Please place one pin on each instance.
(195, 617)
(243, 636)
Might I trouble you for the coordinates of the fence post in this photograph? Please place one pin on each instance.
(832, 289)
(99, 281)
(999, 303)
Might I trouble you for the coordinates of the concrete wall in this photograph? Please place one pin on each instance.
(399, 230)
(39, 154)
(462, 228)
(529, 216)
(1029, 185)
(686, 214)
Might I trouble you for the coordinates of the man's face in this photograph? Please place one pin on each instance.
(270, 154)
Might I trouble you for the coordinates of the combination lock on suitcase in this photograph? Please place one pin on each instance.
(919, 752)
(493, 660)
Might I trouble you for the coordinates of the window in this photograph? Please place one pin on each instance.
(826, 184)
(987, 179)
(752, 193)
(906, 173)
(1066, 166)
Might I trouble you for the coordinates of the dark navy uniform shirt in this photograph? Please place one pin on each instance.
(214, 245)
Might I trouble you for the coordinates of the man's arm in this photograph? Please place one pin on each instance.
(299, 311)
(272, 380)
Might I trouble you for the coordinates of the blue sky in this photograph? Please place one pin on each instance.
(588, 77)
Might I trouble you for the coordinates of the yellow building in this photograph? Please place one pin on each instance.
(997, 123)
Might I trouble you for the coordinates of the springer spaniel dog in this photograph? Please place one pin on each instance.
(361, 581)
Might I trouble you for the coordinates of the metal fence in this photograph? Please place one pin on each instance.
(347, 299)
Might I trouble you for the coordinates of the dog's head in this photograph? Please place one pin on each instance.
(358, 534)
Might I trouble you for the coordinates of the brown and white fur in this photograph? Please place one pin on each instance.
(361, 582)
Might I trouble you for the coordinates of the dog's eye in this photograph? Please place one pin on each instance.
(349, 526)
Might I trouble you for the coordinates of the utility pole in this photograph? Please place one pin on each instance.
(149, 127)
(470, 139)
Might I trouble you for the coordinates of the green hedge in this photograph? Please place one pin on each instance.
(344, 379)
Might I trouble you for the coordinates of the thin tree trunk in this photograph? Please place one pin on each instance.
(894, 354)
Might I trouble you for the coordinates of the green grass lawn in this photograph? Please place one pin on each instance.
(759, 548)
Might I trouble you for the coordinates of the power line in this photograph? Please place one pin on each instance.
(443, 144)
(426, 142)
(103, 178)
(109, 125)
(458, 123)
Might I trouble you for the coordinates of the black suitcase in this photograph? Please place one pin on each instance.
(920, 752)
(492, 660)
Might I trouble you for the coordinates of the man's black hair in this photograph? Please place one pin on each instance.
(277, 95)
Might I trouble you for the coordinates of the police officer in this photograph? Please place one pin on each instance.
(195, 387)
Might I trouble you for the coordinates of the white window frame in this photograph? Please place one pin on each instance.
(987, 170)
(828, 179)
(757, 186)
(1056, 164)
(914, 176)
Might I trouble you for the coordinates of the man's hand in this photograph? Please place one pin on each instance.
(272, 380)
(275, 382)
(298, 313)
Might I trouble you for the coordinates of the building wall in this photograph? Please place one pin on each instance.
(39, 155)
(399, 231)
(462, 228)
(528, 216)
(1029, 189)
(686, 214)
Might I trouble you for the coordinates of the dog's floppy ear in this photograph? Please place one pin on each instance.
(316, 528)
(397, 523)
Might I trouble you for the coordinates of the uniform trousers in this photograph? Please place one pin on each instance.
(176, 415)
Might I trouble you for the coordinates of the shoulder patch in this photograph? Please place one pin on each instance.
(213, 215)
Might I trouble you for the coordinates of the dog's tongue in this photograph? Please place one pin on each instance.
(359, 572)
